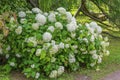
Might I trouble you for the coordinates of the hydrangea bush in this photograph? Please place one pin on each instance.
(46, 44)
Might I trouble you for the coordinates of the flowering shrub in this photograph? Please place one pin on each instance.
(47, 44)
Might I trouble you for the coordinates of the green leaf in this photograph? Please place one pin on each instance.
(43, 54)
(7, 68)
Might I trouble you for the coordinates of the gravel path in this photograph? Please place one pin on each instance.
(112, 76)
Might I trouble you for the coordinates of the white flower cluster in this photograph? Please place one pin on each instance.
(47, 37)
(18, 30)
(21, 14)
(12, 64)
(37, 75)
(69, 16)
(52, 17)
(54, 49)
(18, 55)
(62, 10)
(71, 58)
(8, 48)
(36, 10)
(32, 40)
(61, 45)
(38, 52)
(35, 26)
(23, 20)
(51, 28)
(94, 28)
(41, 19)
(56, 73)
(58, 25)
(72, 26)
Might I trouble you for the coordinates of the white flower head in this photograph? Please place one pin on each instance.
(18, 55)
(61, 10)
(21, 14)
(71, 58)
(46, 46)
(59, 25)
(87, 25)
(12, 64)
(93, 52)
(32, 40)
(53, 42)
(37, 75)
(47, 37)
(18, 30)
(38, 52)
(73, 35)
(94, 56)
(41, 19)
(100, 36)
(12, 19)
(53, 74)
(67, 45)
(82, 49)
(99, 29)
(35, 26)
(104, 44)
(8, 48)
(92, 38)
(33, 66)
(54, 49)
(85, 40)
(46, 14)
(51, 28)
(52, 17)
(36, 10)
(53, 59)
(61, 70)
(7, 56)
(69, 16)
(71, 27)
(106, 39)
(93, 25)
(22, 21)
(107, 53)
(84, 52)
(76, 51)
(75, 46)
(92, 64)
(61, 45)
(99, 59)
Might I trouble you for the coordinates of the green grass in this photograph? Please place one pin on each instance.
(109, 65)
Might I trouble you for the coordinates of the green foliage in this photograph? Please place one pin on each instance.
(47, 5)
(111, 7)
(41, 45)
(12, 5)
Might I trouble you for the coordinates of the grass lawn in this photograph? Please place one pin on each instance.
(109, 65)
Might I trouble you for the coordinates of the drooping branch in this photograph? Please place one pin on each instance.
(34, 3)
(101, 9)
(86, 12)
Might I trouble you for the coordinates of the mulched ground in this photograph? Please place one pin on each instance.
(15, 75)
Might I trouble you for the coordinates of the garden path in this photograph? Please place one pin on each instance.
(113, 76)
